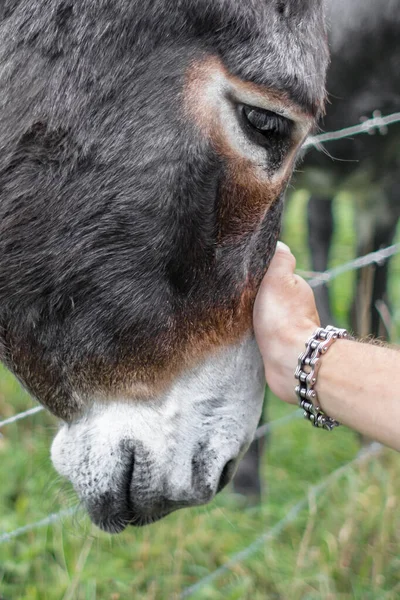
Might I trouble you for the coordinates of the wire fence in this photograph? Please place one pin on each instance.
(379, 124)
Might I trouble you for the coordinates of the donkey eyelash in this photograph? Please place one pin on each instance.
(265, 123)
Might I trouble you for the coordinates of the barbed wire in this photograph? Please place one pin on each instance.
(377, 123)
(372, 451)
(378, 258)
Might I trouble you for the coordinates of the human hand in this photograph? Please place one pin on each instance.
(285, 316)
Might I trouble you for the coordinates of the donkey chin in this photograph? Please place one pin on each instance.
(132, 464)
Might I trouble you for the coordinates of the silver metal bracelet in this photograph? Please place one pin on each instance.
(307, 372)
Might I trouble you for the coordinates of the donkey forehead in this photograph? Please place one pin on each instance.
(267, 45)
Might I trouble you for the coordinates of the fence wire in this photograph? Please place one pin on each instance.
(269, 427)
(49, 520)
(21, 415)
(374, 258)
(377, 124)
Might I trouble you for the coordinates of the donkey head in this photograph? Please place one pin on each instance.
(144, 151)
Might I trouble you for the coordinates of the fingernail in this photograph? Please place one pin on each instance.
(281, 246)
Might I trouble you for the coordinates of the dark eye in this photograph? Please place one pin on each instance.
(267, 123)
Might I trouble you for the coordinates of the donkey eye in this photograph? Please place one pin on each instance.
(266, 122)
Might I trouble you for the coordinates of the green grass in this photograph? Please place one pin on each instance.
(344, 545)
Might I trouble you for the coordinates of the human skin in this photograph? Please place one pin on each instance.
(357, 383)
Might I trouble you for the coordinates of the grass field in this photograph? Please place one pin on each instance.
(344, 544)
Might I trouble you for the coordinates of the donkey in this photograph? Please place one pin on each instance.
(145, 148)
(364, 76)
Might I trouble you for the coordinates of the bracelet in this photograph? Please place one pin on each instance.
(307, 372)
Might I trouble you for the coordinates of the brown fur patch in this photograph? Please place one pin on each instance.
(247, 194)
(197, 336)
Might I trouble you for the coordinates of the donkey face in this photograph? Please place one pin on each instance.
(144, 151)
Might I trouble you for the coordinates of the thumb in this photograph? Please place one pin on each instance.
(282, 265)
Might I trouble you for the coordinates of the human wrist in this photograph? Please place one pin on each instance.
(280, 354)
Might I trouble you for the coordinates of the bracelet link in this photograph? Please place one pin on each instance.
(306, 374)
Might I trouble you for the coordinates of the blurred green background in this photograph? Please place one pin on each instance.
(344, 544)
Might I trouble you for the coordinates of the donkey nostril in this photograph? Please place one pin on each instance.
(128, 476)
(226, 475)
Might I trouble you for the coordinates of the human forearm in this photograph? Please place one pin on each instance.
(358, 384)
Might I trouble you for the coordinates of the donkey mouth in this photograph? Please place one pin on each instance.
(134, 500)
(112, 517)
(123, 506)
